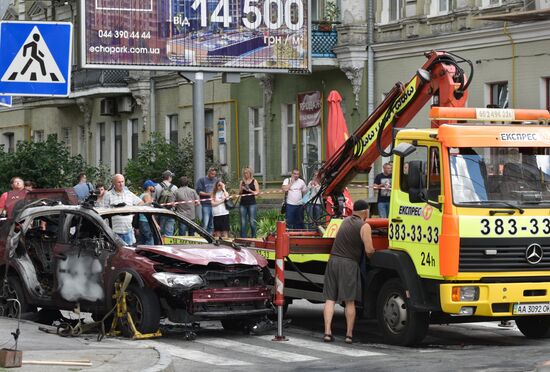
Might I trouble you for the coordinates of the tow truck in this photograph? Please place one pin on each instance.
(468, 234)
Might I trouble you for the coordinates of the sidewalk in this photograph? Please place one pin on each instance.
(108, 355)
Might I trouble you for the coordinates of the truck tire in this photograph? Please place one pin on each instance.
(143, 305)
(534, 326)
(15, 290)
(400, 325)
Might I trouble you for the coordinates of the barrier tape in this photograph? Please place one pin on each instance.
(279, 191)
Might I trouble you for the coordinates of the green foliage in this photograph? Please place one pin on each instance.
(267, 222)
(49, 164)
(156, 156)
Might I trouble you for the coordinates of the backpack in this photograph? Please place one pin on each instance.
(167, 194)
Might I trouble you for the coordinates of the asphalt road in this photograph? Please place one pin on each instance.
(464, 347)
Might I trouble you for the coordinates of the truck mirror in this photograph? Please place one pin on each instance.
(417, 181)
(404, 149)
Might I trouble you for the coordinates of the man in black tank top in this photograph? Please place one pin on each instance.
(342, 275)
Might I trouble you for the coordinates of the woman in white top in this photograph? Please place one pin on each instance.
(220, 213)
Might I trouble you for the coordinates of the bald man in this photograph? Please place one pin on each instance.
(120, 196)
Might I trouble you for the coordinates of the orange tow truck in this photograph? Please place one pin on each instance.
(468, 233)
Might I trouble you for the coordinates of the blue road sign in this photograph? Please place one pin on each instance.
(5, 101)
(36, 58)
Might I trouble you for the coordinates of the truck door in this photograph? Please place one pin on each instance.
(415, 225)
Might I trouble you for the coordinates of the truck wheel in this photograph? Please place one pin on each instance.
(534, 326)
(400, 325)
(15, 290)
(143, 305)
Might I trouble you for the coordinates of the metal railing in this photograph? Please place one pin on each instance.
(86, 78)
(322, 41)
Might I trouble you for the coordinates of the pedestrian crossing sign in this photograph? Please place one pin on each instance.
(36, 58)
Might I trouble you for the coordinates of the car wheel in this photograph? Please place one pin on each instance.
(534, 326)
(143, 305)
(400, 325)
(14, 290)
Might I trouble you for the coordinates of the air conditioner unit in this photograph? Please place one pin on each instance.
(108, 107)
(125, 104)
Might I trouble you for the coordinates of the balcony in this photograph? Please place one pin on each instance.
(86, 79)
(322, 41)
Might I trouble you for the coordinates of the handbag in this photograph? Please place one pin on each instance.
(231, 203)
(283, 206)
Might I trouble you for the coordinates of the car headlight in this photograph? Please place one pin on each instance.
(185, 281)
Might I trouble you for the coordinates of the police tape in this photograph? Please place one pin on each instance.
(278, 191)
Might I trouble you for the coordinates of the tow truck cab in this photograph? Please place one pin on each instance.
(470, 215)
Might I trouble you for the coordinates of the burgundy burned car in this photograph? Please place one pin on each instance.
(60, 255)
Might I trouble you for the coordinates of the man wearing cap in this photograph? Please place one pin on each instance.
(165, 192)
(342, 275)
(145, 233)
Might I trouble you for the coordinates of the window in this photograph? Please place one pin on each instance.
(102, 148)
(498, 95)
(311, 150)
(134, 139)
(289, 148)
(440, 7)
(9, 142)
(118, 146)
(66, 138)
(256, 136)
(490, 3)
(172, 128)
(38, 136)
(547, 92)
(434, 174)
(391, 11)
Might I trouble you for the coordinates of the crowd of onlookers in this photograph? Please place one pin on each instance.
(208, 203)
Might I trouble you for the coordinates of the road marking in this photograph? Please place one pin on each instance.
(265, 352)
(193, 355)
(325, 347)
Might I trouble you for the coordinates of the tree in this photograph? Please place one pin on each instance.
(158, 155)
(49, 164)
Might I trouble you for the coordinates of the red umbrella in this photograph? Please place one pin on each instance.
(337, 134)
(337, 129)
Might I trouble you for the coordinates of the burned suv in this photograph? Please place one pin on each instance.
(57, 256)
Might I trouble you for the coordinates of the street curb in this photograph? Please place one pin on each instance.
(164, 364)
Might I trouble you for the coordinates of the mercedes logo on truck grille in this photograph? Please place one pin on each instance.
(534, 253)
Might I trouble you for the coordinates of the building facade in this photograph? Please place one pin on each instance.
(256, 122)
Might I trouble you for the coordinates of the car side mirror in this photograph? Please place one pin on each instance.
(404, 149)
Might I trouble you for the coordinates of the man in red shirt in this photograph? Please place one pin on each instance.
(9, 199)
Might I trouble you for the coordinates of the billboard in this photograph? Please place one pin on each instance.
(199, 35)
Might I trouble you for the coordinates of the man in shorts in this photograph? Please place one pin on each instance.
(342, 275)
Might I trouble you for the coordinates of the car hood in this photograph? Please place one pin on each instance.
(203, 254)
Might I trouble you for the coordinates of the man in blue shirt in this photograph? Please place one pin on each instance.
(204, 188)
(82, 189)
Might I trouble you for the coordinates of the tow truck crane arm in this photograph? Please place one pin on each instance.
(440, 78)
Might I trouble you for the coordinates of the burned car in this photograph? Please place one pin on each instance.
(56, 256)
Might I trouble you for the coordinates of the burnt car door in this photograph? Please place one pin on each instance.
(81, 257)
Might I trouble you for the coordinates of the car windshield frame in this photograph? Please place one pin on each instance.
(500, 177)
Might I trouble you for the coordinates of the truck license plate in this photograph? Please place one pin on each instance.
(535, 308)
